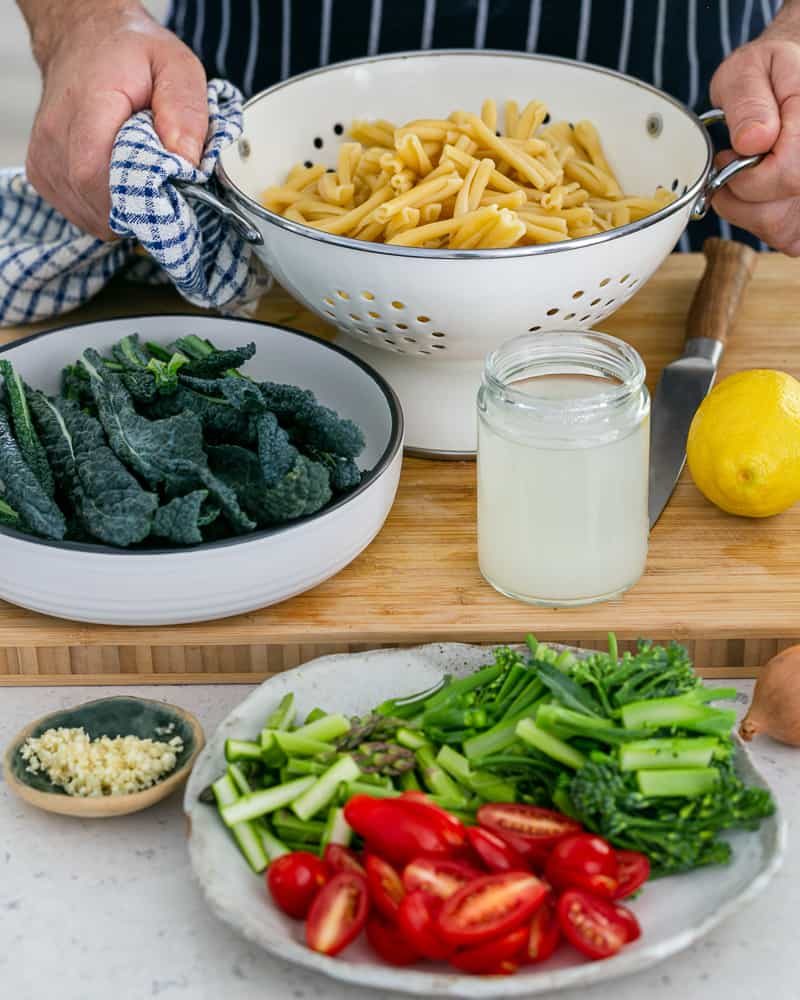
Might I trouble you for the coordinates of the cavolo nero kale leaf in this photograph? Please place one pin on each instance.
(181, 520)
(207, 361)
(109, 503)
(275, 452)
(310, 424)
(8, 516)
(166, 452)
(24, 431)
(303, 490)
(22, 491)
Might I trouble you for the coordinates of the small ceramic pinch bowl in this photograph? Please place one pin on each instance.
(116, 716)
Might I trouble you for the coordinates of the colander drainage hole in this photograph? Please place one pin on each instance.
(437, 333)
(584, 318)
(533, 329)
(577, 295)
(342, 295)
(330, 312)
(611, 302)
(552, 312)
(570, 316)
(328, 302)
(604, 282)
(675, 184)
(308, 164)
(410, 340)
(338, 129)
(594, 302)
(374, 315)
(624, 278)
(381, 329)
(355, 317)
(318, 142)
(398, 305)
(401, 326)
(388, 341)
(368, 296)
(423, 319)
(439, 347)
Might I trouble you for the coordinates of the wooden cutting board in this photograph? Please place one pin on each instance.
(728, 587)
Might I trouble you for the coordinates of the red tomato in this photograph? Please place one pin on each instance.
(544, 934)
(402, 828)
(416, 918)
(591, 924)
(294, 880)
(338, 914)
(529, 829)
(634, 871)
(628, 917)
(453, 829)
(495, 853)
(385, 887)
(387, 941)
(490, 906)
(441, 877)
(485, 958)
(583, 862)
(342, 859)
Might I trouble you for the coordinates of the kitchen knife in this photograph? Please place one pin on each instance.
(685, 383)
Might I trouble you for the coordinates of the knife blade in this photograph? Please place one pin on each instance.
(686, 382)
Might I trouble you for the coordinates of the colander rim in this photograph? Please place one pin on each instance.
(690, 195)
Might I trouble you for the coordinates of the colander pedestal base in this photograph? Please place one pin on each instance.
(438, 399)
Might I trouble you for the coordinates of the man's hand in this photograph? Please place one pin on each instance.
(758, 87)
(101, 61)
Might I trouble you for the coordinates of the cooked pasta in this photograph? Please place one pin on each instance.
(462, 183)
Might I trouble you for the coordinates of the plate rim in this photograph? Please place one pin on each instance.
(420, 983)
(381, 466)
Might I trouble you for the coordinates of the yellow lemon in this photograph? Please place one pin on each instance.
(744, 443)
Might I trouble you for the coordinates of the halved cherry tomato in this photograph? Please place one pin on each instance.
(294, 881)
(385, 886)
(484, 958)
(387, 941)
(583, 862)
(495, 853)
(342, 859)
(416, 918)
(591, 924)
(633, 872)
(489, 907)
(400, 829)
(529, 829)
(544, 933)
(628, 918)
(338, 914)
(441, 877)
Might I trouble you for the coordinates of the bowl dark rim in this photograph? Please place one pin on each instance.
(394, 445)
(248, 204)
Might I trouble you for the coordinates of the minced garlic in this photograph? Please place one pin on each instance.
(104, 766)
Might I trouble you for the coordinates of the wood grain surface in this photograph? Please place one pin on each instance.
(729, 587)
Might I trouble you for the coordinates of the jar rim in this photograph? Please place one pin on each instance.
(566, 352)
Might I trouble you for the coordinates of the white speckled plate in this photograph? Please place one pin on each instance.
(674, 912)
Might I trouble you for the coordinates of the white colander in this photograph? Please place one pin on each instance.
(427, 318)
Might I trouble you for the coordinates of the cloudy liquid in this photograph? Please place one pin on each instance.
(562, 519)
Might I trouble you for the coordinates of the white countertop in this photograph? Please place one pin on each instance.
(97, 908)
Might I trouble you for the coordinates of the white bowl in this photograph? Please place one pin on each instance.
(97, 583)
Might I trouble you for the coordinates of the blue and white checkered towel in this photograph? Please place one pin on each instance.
(48, 266)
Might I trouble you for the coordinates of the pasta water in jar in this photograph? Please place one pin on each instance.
(563, 460)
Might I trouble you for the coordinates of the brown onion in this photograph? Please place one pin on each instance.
(775, 707)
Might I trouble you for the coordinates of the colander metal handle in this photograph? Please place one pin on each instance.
(719, 178)
(238, 221)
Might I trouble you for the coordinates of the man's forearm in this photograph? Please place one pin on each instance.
(48, 20)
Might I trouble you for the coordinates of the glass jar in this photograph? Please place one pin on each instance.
(563, 465)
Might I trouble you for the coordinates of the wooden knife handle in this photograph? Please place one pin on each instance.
(729, 267)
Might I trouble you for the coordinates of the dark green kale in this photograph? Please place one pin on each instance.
(239, 392)
(22, 491)
(222, 420)
(344, 474)
(275, 453)
(310, 424)
(24, 431)
(206, 361)
(8, 516)
(168, 452)
(145, 377)
(108, 502)
(181, 519)
(303, 490)
(677, 834)
(75, 386)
